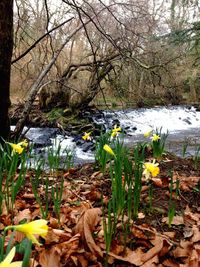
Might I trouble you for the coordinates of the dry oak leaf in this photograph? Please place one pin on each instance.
(82, 260)
(85, 227)
(93, 195)
(140, 258)
(157, 182)
(170, 263)
(188, 183)
(194, 259)
(142, 232)
(133, 257)
(56, 236)
(78, 211)
(66, 249)
(59, 253)
(191, 217)
(24, 214)
(184, 250)
(196, 234)
(20, 204)
(50, 258)
(177, 220)
(170, 234)
(161, 247)
(152, 262)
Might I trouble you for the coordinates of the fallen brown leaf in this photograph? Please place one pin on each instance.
(85, 227)
(187, 183)
(157, 182)
(151, 262)
(24, 214)
(93, 195)
(196, 234)
(50, 258)
(161, 246)
(140, 258)
(170, 263)
(177, 220)
(133, 257)
(184, 250)
(170, 234)
(141, 233)
(56, 236)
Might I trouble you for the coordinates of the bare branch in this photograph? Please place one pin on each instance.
(37, 41)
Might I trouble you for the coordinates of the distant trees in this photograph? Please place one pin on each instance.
(6, 44)
(116, 37)
(87, 50)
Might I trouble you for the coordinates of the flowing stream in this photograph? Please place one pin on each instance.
(181, 122)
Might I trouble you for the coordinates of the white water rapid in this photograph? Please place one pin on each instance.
(181, 122)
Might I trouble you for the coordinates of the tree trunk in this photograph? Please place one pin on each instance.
(6, 44)
(97, 76)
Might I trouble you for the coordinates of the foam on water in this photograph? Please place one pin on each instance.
(180, 121)
(67, 143)
(171, 118)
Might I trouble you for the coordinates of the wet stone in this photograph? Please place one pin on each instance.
(116, 122)
(187, 121)
(87, 146)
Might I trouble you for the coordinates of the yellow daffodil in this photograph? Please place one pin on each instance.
(147, 134)
(155, 137)
(109, 150)
(17, 148)
(151, 169)
(87, 136)
(38, 227)
(7, 261)
(24, 143)
(115, 131)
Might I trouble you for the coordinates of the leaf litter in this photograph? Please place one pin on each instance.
(77, 239)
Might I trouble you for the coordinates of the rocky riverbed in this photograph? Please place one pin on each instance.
(65, 128)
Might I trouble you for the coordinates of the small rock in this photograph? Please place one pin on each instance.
(127, 128)
(116, 122)
(79, 142)
(187, 121)
(87, 146)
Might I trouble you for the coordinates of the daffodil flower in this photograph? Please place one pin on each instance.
(109, 150)
(151, 169)
(38, 227)
(147, 134)
(7, 261)
(87, 136)
(17, 148)
(155, 137)
(115, 131)
(24, 143)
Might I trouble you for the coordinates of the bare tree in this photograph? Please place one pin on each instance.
(123, 46)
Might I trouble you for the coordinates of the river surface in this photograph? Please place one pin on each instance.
(181, 122)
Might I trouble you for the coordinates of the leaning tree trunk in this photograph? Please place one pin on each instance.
(6, 44)
(94, 86)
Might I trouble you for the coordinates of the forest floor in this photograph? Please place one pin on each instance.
(78, 238)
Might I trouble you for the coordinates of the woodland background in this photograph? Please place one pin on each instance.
(139, 53)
